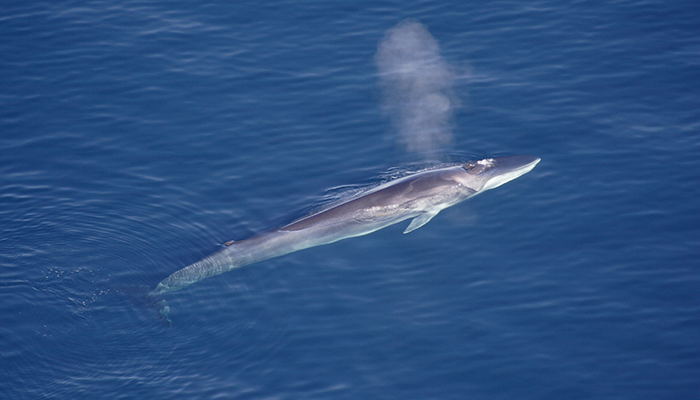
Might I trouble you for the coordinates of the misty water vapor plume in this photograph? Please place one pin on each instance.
(417, 87)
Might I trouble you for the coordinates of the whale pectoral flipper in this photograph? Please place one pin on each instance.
(421, 220)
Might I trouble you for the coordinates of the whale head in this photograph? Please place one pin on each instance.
(491, 173)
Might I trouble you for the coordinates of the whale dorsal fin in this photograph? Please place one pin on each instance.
(421, 220)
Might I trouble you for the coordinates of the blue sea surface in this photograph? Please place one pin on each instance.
(137, 137)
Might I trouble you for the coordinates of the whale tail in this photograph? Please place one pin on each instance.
(150, 300)
(157, 301)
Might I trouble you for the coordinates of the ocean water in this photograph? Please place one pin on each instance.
(137, 137)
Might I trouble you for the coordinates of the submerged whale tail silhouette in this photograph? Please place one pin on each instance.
(145, 298)
(157, 302)
(420, 196)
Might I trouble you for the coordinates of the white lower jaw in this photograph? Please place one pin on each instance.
(499, 180)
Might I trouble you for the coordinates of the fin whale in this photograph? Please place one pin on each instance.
(419, 196)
